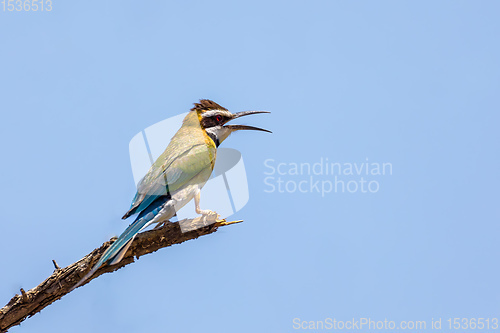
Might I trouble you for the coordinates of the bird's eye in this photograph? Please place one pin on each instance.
(218, 118)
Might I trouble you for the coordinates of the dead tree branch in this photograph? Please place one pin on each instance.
(30, 302)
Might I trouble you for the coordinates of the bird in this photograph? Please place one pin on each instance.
(178, 174)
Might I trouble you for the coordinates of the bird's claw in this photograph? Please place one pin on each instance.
(206, 212)
(210, 215)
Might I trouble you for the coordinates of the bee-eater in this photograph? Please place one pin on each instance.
(178, 174)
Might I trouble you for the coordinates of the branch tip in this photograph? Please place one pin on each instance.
(56, 266)
(224, 222)
(24, 296)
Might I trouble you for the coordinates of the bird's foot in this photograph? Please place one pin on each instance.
(208, 216)
(205, 212)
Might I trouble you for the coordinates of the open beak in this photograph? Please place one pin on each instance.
(245, 127)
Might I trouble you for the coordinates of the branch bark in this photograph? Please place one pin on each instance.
(30, 302)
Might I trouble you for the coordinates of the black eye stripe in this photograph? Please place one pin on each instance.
(213, 120)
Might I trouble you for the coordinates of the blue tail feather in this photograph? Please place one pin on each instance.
(132, 230)
(124, 238)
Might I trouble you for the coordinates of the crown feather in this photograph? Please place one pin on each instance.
(206, 105)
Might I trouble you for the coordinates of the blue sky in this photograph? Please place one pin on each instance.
(414, 84)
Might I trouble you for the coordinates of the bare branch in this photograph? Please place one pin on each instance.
(63, 279)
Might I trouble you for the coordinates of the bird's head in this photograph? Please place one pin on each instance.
(213, 119)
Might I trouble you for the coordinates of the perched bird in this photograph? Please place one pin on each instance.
(178, 174)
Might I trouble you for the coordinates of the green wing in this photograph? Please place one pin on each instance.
(178, 166)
